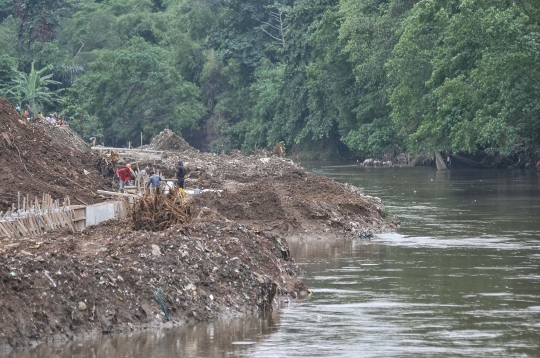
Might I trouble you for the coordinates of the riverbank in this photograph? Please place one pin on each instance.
(230, 258)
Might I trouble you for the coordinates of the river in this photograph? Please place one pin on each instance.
(461, 278)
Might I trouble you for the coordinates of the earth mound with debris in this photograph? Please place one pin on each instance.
(277, 195)
(110, 279)
(168, 140)
(229, 256)
(62, 135)
(32, 162)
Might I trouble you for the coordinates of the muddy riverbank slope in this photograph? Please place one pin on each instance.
(231, 257)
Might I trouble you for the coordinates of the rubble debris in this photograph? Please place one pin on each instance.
(110, 278)
(62, 135)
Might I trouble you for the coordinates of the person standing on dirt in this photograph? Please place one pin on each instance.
(154, 181)
(145, 171)
(181, 174)
(124, 174)
(18, 108)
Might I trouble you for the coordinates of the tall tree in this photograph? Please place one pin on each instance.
(466, 76)
(136, 89)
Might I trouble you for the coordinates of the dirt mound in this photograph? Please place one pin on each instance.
(276, 194)
(63, 135)
(33, 163)
(111, 279)
(297, 205)
(168, 140)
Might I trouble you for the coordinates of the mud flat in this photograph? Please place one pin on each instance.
(230, 258)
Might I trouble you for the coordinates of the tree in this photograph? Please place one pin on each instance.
(276, 26)
(136, 89)
(32, 87)
(369, 31)
(8, 71)
(466, 77)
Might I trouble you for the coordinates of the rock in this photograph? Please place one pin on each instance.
(81, 306)
(156, 251)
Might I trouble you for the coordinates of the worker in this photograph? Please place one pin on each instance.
(154, 181)
(180, 174)
(145, 171)
(28, 112)
(124, 175)
(18, 108)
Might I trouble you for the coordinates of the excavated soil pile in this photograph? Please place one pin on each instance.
(304, 205)
(34, 163)
(111, 279)
(168, 140)
(277, 195)
(62, 135)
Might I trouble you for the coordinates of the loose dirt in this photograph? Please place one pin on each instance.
(32, 161)
(230, 256)
(112, 279)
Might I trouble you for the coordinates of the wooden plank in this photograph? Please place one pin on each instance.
(7, 228)
(128, 150)
(68, 220)
(40, 222)
(4, 230)
(36, 225)
(48, 222)
(112, 193)
(21, 228)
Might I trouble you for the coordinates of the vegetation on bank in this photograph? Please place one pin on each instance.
(365, 77)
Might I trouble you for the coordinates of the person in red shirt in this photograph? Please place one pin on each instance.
(124, 174)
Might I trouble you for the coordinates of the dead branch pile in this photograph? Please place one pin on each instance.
(156, 211)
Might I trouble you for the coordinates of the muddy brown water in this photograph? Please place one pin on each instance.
(460, 279)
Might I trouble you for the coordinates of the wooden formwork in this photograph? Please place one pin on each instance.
(36, 218)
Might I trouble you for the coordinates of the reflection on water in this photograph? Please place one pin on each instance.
(216, 339)
(461, 278)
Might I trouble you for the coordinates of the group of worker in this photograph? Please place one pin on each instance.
(53, 119)
(154, 180)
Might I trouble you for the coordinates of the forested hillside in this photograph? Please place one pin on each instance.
(326, 77)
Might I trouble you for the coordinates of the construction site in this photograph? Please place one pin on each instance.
(78, 257)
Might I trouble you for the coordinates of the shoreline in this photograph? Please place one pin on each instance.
(63, 333)
(230, 258)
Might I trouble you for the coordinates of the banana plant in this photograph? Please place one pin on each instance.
(33, 87)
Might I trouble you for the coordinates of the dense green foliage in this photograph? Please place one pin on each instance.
(326, 77)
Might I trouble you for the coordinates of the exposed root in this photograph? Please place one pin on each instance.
(156, 211)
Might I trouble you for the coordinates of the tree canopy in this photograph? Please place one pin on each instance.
(326, 77)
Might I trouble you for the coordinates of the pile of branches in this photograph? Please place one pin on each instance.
(156, 211)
